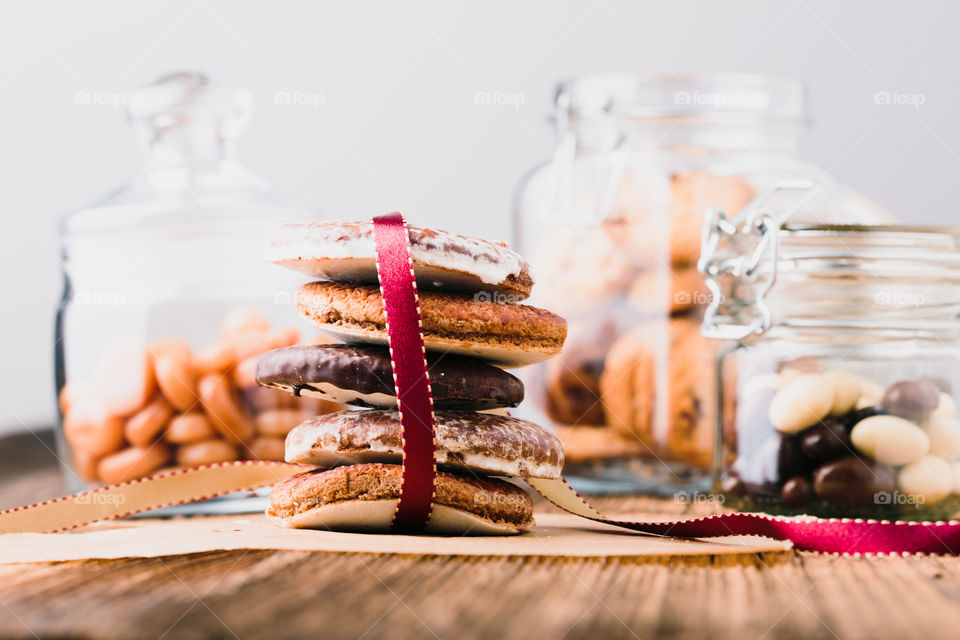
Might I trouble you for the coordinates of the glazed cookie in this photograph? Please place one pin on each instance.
(346, 252)
(362, 375)
(477, 442)
(364, 497)
(505, 334)
(628, 385)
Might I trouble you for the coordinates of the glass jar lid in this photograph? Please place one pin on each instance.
(768, 276)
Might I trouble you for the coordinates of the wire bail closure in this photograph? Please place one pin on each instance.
(738, 259)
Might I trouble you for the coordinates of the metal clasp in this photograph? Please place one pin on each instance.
(739, 257)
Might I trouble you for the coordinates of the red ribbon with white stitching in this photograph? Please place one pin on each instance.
(394, 267)
(408, 356)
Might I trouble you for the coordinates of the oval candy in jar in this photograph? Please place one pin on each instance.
(842, 366)
(612, 228)
(167, 303)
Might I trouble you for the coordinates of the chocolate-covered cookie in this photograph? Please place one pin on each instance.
(362, 375)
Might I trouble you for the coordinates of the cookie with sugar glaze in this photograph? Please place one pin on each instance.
(443, 261)
(478, 443)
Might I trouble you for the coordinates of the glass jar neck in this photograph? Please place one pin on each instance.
(690, 136)
(871, 283)
(200, 147)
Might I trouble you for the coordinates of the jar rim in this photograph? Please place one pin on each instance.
(688, 97)
(923, 239)
(900, 279)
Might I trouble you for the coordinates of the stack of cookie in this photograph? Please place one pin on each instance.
(472, 327)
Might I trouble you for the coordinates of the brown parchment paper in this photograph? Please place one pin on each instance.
(555, 535)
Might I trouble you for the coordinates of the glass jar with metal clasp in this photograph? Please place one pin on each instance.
(838, 381)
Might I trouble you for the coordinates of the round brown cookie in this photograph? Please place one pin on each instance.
(573, 391)
(505, 334)
(629, 390)
(683, 290)
(363, 497)
(362, 375)
(585, 444)
(346, 252)
(692, 194)
(572, 379)
(465, 441)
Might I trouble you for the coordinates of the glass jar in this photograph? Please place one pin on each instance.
(840, 386)
(167, 301)
(612, 227)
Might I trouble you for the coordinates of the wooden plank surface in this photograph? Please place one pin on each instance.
(292, 594)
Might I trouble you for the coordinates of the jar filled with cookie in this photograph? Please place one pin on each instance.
(167, 303)
(612, 225)
(842, 367)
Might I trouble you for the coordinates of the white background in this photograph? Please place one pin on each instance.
(399, 127)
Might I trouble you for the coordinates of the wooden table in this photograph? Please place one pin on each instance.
(281, 594)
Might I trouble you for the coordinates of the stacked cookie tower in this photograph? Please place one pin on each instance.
(472, 326)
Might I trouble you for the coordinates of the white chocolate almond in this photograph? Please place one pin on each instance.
(930, 478)
(944, 434)
(947, 407)
(801, 402)
(846, 391)
(890, 439)
(871, 394)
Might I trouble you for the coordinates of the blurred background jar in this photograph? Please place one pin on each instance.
(842, 379)
(612, 226)
(168, 302)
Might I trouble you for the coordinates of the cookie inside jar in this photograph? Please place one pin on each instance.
(633, 395)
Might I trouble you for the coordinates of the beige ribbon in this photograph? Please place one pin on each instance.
(164, 489)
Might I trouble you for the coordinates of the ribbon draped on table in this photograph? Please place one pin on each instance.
(412, 382)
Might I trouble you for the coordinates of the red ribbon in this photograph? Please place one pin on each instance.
(827, 535)
(408, 356)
